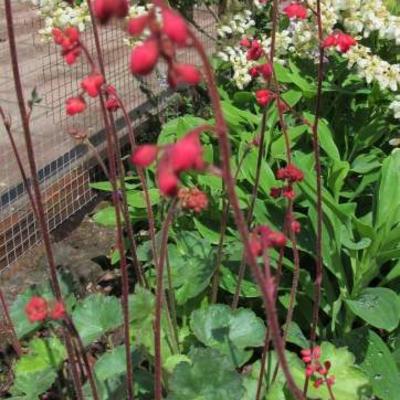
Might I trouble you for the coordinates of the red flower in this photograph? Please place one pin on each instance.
(340, 40)
(288, 192)
(144, 155)
(245, 42)
(290, 173)
(144, 57)
(175, 27)
(262, 238)
(58, 311)
(277, 239)
(295, 226)
(255, 51)
(295, 11)
(266, 71)
(71, 56)
(187, 154)
(254, 73)
(92, 84)
(75, 105)
(112, 104)
(193, 199)
(264, 97)
(167, 180)
(344, 42)
(137, 25)
(36, 309)
(184, 74)
(106, 9)
(275, 192)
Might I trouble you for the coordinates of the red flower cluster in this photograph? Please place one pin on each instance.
(291, 174)
(186, 154)
(255, 50)
(104, 10)
(69, 42)
(295, 11)
(264, 70)
(264, 97)
(314, 368)
(340, 40)
(165, 38)
(193, 199)
(37, 310)
(262, 238)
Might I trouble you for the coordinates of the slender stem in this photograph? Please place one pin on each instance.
(82, 351)
(318, 172)
(266, 286)
(41, 216)
(265, 352)
(330, 391)
(25, 180)
(97, 155)
(142, 178)
(159, 302)
(16, 344)
(224, 222)
(249, 217)
(117, 206)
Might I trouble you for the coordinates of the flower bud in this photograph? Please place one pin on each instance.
(144, 57)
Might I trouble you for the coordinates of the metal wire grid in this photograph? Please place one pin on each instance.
(61, 163)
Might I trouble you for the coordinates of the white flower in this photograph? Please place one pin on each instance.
(395, 106)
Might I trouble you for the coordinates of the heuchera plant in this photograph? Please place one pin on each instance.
(203, 219)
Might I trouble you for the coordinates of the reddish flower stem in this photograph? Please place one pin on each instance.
(15, 342)
(41, 215)
(318, 172)
(82, 351)
(224, 223)
(111, 143)
(266, 286)
(7, 126)
(249, 217)
(159, 301)
(143, 181)
(267, 342)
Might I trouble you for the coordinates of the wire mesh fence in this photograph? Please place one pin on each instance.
(64, 169)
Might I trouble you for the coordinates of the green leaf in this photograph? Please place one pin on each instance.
(192, 265)
(351, 381)
(376, 361)
(296, 336)
(178, 127)
(96, 315)
(379, 307)
(106, 217)
(229, 281)
(386, 211)
(232, 332)
(209, 376)
(110, 373)
(36, 371)
(137, 199)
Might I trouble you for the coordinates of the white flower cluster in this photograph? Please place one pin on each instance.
(58, 13)
(260, 4)
(237, 57)
(360, 17)
(367, 16)
(395, 107)
(372, 68)
(239, 24)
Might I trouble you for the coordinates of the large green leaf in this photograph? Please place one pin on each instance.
(379, 307)
(110, 373)
(178, 127)
(36, 371)
(96, 315)
(386, 208)
(232, 332)
(376, 361)
(192, 264)
(208, 376)
(136, 199)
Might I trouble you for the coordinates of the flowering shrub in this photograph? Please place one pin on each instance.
(257, 240)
